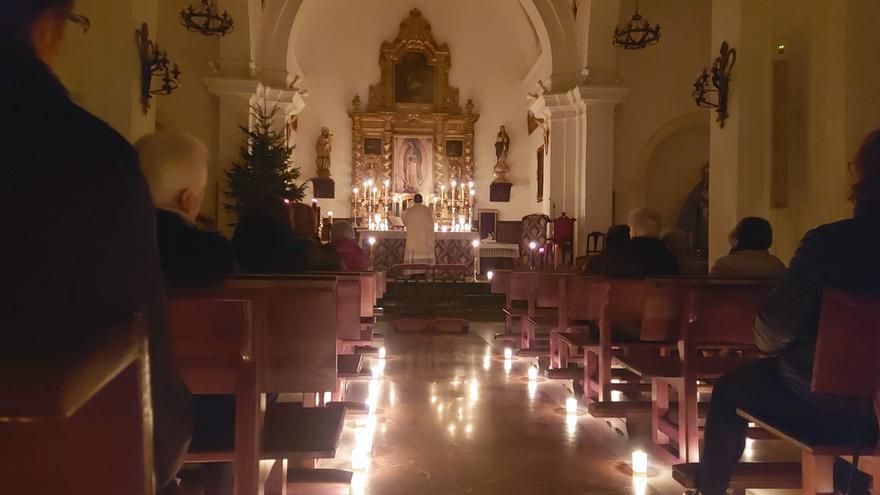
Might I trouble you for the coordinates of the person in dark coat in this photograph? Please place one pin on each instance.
(176, 168)
(79, 246)
(615, 239)
(319, 256)
(644, 255)
(841, 255)
(264, 241)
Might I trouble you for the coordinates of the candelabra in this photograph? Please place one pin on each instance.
(454, 211)
(370, 205)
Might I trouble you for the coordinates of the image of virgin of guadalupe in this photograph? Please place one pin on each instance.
(412, 167)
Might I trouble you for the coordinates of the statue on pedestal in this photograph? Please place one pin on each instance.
(322, 152)
(502, 148)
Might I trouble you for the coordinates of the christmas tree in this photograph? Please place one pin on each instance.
(265, 165)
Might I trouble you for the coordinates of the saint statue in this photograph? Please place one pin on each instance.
(322, 152)
(694, 216)
(502, 147)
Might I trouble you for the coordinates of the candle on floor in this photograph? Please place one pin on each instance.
(490, 274)
(533, 373)
(639, 462)
(571, 405)
(382, 353)
(508, 352)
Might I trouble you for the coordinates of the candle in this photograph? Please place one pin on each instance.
(639, 462)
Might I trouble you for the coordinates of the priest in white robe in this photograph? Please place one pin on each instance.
(419, 222)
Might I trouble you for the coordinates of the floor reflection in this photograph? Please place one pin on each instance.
(448, 414)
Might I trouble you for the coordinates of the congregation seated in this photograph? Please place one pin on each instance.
(342, 239)
(175, 166)
(80, 250)
(264, 240)
(319, 257)
(840, 255)
(677, 242)
(644, 254)
(749, 252)
(615, 239)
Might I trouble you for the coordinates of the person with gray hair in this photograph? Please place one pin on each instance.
(175, 166)
(342, 238)
(644, 254)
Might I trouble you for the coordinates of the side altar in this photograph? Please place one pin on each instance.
(413, 136)
(452, 248)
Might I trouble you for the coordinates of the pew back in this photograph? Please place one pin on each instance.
(848, 347)
(724, 311)
(500, 283)
(585, 297)
(547, 294)
(75, 417)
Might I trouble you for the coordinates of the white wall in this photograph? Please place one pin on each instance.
(338, 50)
(660, 77)
(191, 109)
(674, 170)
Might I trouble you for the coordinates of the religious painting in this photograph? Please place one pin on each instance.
(414, 79)
(413, 170)
(454, 148)
(372, 146)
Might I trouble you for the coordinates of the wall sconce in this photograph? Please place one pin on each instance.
(154, 63)
(717, 80)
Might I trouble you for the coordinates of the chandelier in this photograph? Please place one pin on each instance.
(205, 19)
(637, 34)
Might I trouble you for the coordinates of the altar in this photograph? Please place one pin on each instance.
(454, 248)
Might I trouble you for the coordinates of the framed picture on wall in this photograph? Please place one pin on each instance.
(372, 146)
(454, 148)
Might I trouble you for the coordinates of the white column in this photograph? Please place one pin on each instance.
(581, 169)
(236, 97)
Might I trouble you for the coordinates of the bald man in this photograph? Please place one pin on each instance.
(176, 168)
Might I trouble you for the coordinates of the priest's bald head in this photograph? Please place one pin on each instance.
(417, 199)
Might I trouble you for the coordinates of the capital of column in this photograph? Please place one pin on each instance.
(600, 97)
(289, 100)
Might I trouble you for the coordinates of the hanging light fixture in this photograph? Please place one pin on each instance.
(637, 34)
(206, 19)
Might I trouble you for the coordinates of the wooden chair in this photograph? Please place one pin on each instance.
(75, 412)
(716, 314)
(846, 365)
(595, 243)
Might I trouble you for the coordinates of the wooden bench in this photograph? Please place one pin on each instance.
(714, 314)
(75, 411)
(847, 364)
(543, 306)
(517, 295)
(252, 336)
(580, 303)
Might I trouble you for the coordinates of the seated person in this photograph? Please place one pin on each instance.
(264, 241)
(749, 252)
(677, 242)
(79, 235)
(318, 256)
(342, 239)
(644, 255)
(176, 168)
(615, 238)
(841, 255)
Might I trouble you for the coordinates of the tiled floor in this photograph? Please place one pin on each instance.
(451, 416)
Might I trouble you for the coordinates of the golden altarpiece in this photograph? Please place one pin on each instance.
(413, 135)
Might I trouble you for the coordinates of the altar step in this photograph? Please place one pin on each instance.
(469, 300)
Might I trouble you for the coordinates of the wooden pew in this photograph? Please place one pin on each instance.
(76, 413)
(715, 314)
(580, 305)
(251, 336)
(517, 292)
(543, 307)
(847, 364)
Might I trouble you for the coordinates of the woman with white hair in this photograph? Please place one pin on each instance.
(176, 168)
(644, 255)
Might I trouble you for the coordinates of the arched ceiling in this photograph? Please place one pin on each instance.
(539, 31)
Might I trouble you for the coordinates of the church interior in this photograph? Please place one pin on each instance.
(380, 247)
